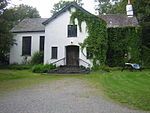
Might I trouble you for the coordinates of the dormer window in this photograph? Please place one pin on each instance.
(72, 30)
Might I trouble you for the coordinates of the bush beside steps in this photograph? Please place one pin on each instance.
(40, 68)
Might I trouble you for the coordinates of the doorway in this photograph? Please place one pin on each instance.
(72, 55)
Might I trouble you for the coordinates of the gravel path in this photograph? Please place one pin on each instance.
(68, 95)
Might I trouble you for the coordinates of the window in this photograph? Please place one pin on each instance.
(26, 45)
(54, 53)
(72, 30)
(89, 54)
(42, 38)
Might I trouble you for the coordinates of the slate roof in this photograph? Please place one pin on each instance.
(118, 20)
(30, 25)
(38, 24)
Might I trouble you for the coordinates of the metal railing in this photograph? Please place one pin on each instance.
(85, 62)
(62, 59)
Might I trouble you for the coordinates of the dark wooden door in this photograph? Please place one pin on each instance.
(72, 55)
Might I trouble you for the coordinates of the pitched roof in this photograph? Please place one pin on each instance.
(72, 4)
(30, 25)
(37, 24)
(118, 20)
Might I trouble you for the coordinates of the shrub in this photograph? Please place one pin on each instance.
(37, 58)
(40, 68)
(18, 67)
(103, 68)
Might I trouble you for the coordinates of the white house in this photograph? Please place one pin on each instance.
(58, 37)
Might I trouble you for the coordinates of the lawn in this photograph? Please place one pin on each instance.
(16, 79)
(130, 88)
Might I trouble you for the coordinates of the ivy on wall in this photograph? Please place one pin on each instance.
(108, 46)
(123, 41)
(96, 42)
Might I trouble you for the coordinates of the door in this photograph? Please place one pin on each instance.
(72, 55)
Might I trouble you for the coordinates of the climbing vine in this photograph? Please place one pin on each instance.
(108, 45)
(123, 41)
(96, 42)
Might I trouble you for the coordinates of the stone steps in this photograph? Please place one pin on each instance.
(70, 70)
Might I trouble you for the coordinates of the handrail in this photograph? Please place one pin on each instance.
(58, 60)
(85, 62)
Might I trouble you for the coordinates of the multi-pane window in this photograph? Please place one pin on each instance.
(42, 38)
(26, 45)
(54, 52)
(72, 30)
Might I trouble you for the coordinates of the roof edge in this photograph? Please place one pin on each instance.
(63, 10)
(27, 31)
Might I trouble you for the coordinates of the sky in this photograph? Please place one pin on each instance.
(45, 6)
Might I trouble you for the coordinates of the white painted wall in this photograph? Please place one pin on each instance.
(56, 36)
(16, 50)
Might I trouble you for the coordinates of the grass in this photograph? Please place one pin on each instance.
(17, 79)
(129, 88)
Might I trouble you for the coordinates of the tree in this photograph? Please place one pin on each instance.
(6, 40)
(3, 4)
(24, 11)
(58, 6)
(9, 18)
(105, 7)
(4, 35)
(142, 12)
(16, 14)
(140, 7)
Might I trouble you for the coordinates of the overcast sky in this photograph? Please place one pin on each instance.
(44, 6)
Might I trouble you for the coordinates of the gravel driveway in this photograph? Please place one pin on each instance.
(67, 95)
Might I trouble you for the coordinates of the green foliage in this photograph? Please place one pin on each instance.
(61, 4)
(19, 67)
(146, 56)
(40, 68)
(25, 11)
(37, 58)
(96, 42)
(103, 68)
(123, 41)
(16, 67)
(6, 40)
(109, 48)
(9, 18)
(16, 14)
(142, 11)
(106, 7)
(58, 6)
(5, 36)
(140, 7)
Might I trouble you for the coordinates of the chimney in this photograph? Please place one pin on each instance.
(129, 9)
